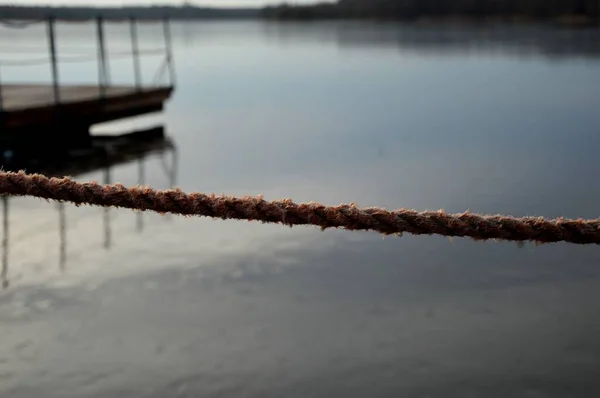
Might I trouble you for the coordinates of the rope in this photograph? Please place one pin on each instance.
(13, 24)
(74, 50)
(45, 60)
(286, 212)
(27, 62)
(160, 71)
(72, 58)
(158, 51)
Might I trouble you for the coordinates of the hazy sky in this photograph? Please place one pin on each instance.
(222, 3)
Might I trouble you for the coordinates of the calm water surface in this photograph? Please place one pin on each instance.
(494, 120)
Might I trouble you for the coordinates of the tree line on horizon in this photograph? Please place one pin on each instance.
(120, 13)
(342, 9)
(415, 9)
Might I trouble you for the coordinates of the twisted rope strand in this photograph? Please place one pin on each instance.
(286, 212)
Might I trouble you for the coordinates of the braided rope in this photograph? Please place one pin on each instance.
(286, 212)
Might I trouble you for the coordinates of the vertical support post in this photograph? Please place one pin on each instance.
(173, 171)
(169, 51)
(107, 235)
(1, 96)
(5, 224)
(103, 73)
(141, 182)
(1, 106)
(53, 59)
(62, 230)
(136, 54)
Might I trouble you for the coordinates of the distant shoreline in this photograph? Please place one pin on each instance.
(563, 21)
(124, 13)
(328, 12)
(574, 13)
(574, 21)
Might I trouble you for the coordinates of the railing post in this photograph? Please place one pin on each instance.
(169, 50)
(136, 55)
(5, 224)
(1, 97)
(174, 165)
(103, 73)
(141, 182)
(107, 234)
(53, 59)
(62, 230)
(1, 107)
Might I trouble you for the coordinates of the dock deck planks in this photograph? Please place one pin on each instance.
(28, 106)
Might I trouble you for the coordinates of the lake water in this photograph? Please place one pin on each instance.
(492, 120)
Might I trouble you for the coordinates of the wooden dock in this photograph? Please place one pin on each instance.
(33, 106)
(57, 117)
(30, 112)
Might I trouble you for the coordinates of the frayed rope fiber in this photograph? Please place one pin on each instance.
(286, 212)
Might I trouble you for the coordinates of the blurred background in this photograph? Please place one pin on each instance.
(488, 106)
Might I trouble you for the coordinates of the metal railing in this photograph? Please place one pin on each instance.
(83, 55)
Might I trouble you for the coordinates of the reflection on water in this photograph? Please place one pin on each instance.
(525, 41)
(142, 181)
(380, 114)
(62, 228)
(5, 222)
(106, 152)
